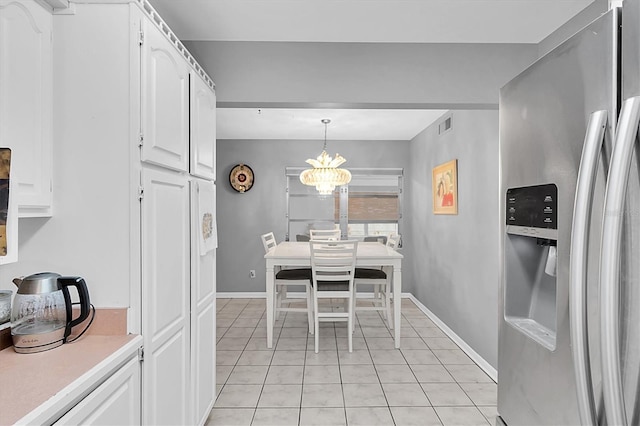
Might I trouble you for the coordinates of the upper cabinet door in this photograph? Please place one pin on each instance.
(165, 102)
(203, 129)
(26, 92)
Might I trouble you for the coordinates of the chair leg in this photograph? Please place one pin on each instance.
(316, 321)
(277, 303)
(350, 326)
(353, 306)
(310, 318)
(388, 306)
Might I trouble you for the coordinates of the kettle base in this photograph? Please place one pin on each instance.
(32, 343)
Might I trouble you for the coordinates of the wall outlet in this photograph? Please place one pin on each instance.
(252, 273)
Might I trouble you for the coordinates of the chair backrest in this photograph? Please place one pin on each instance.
(333, 261)
(302, 237)
(324, 234)
(268, 241)
(393, 241)
(382, 239)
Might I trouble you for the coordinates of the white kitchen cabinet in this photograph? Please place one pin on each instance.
(26, 108)
(165, 101)
(203, 299)
(166, 290)
(122, 140)
(114, 402)
(203, 129)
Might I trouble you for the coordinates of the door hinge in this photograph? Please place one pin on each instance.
(140, 140)
(141, 38)
(141, 354)
(140, 193)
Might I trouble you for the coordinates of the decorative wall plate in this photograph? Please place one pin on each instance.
(241, 178)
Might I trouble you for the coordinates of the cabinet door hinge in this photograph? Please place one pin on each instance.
(141, 354)
(141, 38)
(140, 193)
(140, 140)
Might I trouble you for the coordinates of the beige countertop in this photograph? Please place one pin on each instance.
(27, 381)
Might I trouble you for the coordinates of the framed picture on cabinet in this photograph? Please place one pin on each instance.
(445, 188)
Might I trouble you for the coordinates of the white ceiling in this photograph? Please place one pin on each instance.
(407, 21)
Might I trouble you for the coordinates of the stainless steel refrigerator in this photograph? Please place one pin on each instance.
(569, 339)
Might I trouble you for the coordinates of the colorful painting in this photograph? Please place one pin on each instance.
(445, 188)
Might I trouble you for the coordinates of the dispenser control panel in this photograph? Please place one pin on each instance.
(533, 206)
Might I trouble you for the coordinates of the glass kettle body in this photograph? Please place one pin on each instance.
(41, 317)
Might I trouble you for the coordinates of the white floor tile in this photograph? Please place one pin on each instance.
(328, 395)
(431, 374)
(365, 373)
(419, 356)
(369, 416)
(315, 416)
(415, 416)
(446, 394)
(280, 396)
(405, 395)
(288, 358)
(468, 373)
(481, 393)
(248, 375)
(319, 374)
(284, 375)
(389, 356)
(230, 417)
(355, 357)
(255, 358)
(390, 373)
(240, 396)
(461, 416)
(452, 356)
(363, 395)
(276, 417)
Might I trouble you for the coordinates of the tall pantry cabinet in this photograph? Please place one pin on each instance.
(137, 136)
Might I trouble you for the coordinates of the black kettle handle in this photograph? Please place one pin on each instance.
(83, 294)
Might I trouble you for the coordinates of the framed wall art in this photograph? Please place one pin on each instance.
(445, 188)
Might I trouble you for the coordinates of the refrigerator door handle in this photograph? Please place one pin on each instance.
(593, 141)
(610, 261)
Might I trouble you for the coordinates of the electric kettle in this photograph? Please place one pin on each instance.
(41, 317)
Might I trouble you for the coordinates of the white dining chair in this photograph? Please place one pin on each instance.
(381, 282)
(393, 241)
(289, 277)
(382, 239)
(333, 270)
(324, 234)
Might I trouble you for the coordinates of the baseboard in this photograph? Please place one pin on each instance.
(241, 295)
(484, 365)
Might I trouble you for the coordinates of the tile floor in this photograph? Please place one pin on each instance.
(430, 381)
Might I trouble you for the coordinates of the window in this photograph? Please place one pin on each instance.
(370, 205)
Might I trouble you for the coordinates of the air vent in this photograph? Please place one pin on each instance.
(445, 125)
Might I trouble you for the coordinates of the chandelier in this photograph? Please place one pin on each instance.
(325, 174)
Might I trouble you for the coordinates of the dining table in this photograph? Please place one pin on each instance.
(368, 255)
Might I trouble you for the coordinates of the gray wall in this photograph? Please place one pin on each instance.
(242, 218)
(453, 259)
(439, 76)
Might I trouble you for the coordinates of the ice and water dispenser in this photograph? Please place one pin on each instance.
(530, 259)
